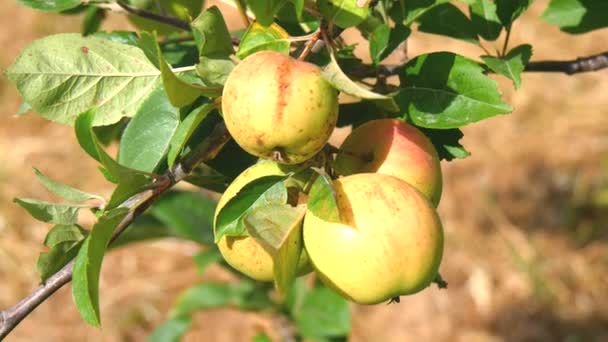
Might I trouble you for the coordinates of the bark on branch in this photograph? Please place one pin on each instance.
(581, 64)
(137, 204)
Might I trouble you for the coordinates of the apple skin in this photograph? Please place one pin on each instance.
(395, 148)
(279, 108)
(390, 241)
(244, 253)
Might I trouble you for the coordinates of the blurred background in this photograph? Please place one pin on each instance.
(526, 215)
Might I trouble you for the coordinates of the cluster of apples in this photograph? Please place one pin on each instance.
(389, 240)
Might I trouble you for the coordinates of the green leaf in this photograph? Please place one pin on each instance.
(509, 10)
(122, 37)
(344, 13)
(259, 38)
(63, 75)
(24, 108)
(171, 330)
(323, 313)
(278, 228)
(93, 17)
(64, 233)
(145, 227)
(484, 19)
(64, 191)
(50, 212)
(214, 71)
(189, 215)
(407, 11)
(446, 142)
(261, 337)
(245, 295)
(180, 92)
(577, 16)
(444, 90)
(51, 5)
(87, 266)
(215, 47)
(128, 186)
(448, 20)
(322, 199)
(384, 40)
(207, 177)
(206, 258)
(87, 139)
(56, 258)
(265, 10)
(334, 75)
(259, 192)
(185, 129)
(299, 8)
(85, 135)
(511, 65)
(211, 33)
(146, 139)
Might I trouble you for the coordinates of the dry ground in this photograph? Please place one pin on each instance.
(518, 216)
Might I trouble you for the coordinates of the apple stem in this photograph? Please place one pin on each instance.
(441, 284)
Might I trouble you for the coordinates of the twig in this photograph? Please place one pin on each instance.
(581, 64)
(137, 204)
(315, 37)
(156, 17)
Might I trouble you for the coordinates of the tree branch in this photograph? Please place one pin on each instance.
(165, 19)
(581, 64)
(137, 204)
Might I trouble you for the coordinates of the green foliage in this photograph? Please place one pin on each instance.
(278, 228)
(384, 40)
(87, 266)
(262, 191)
(448, 20)
(153, 126)
(444, 90)
(512, 64)
(265, 10)
(50, 212)
(51, 5)
(322, 200)
(485, 20)
(259, 38)
(159, 94)
(92, 72)
(577, 16)
(319, 312)
(66, 192)
(215, 47)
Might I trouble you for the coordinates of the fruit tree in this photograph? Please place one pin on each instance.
(246, 116)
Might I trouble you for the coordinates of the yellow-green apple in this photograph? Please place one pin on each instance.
(395, 148)
(244, 253)
(389, 241)
(279, 108)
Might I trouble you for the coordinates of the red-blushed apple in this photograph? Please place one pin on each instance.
(389, 241)
(279, 108)
(395, 148)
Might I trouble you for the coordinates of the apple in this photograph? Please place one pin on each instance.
(395, 148)
(389, 242)
(279, 108)
(245, 254)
